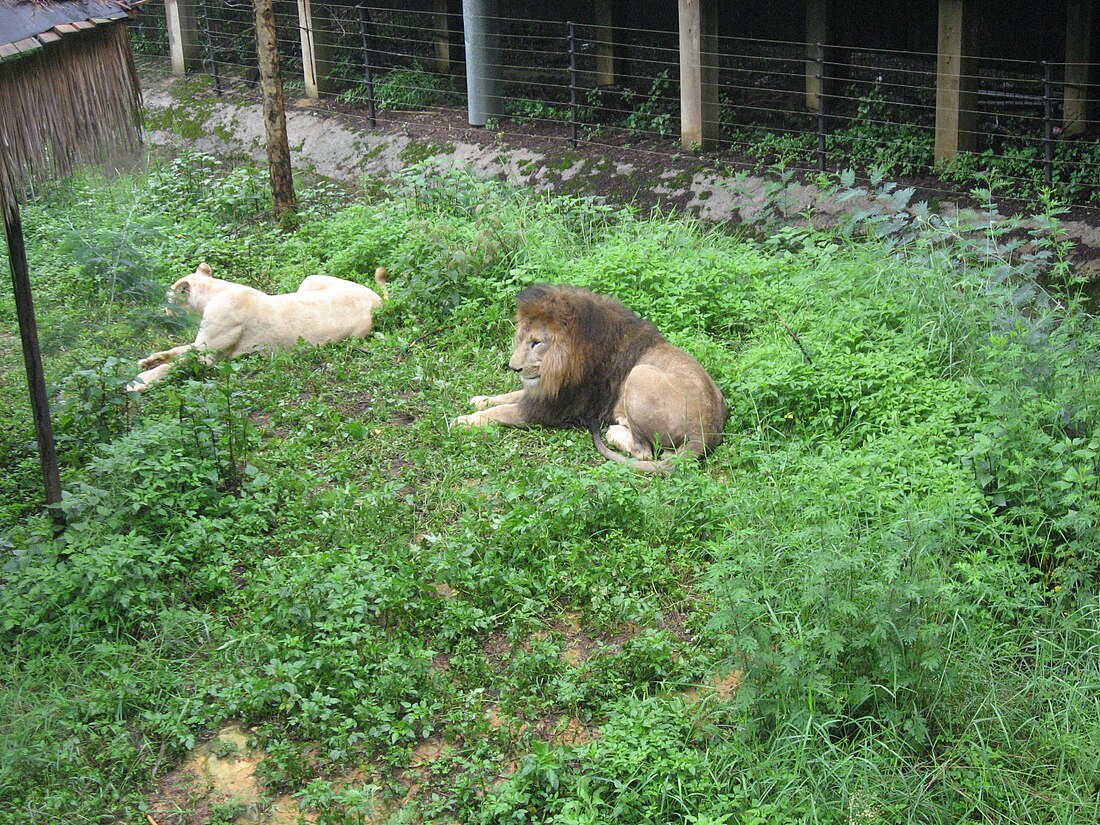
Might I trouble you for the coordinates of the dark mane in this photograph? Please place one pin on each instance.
(602, 341)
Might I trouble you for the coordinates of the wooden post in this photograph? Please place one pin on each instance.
(1079, 20)
(956, 82)
(698, 73)
(604, 37)
(183, 34)
(818, 31)
(316, 29)
(441, 24)
(271, 83)
(32, 355)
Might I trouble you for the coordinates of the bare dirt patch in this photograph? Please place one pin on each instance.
(421, 764)
(720, 686)
(565, 731)
(218, 780)
(262, 423)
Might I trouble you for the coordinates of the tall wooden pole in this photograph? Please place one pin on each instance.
(441, 35)
(271, 82)
(956, 81)
(181, 18)
(32, 355)
(604, 35)
(819, 18)
(317, 34)
(698, 72)
(1079, 17)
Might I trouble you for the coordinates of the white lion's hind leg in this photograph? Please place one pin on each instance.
(316, 283)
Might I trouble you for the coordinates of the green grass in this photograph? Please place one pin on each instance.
(894, 550)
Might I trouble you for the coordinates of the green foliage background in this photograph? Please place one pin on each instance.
(894, 550)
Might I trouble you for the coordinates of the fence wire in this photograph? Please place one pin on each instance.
(619, 88)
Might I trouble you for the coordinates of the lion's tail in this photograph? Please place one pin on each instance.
(638, 464)
(381, 277)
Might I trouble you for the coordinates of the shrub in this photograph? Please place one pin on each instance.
(407, 89)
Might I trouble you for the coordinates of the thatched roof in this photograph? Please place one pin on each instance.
(68, 89)
(23, 19)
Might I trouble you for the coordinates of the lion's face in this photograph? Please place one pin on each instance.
(188, 293)
(177, 296)
(532, 345)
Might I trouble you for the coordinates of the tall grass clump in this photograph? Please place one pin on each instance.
(876, 601)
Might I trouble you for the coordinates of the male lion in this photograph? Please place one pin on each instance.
(585, 359)
(238, 319)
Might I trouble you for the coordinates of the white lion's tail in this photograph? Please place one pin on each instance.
(381, 277)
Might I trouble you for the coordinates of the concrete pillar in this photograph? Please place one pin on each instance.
(604, 38)
(482, 81)
(956, 81)
(818, 30)
(698, 72)
(441, 25)
(1079, 19)
(183, 34)
(317, 31)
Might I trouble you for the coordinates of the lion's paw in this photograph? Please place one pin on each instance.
(154, 360)
(473, 420)
(620, 437)
(480, 402)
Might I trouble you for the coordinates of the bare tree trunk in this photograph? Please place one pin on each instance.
(278, 150)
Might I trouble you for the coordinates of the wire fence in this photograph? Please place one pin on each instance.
(815, 107)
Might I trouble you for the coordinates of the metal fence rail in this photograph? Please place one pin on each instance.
(873, 109)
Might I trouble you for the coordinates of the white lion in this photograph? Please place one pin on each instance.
(238, 319)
